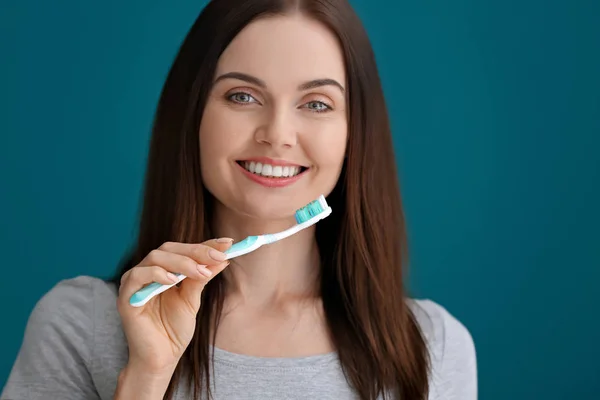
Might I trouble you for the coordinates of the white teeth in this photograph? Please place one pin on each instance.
(268, 170)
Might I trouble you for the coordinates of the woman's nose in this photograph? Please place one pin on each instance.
(278, 130)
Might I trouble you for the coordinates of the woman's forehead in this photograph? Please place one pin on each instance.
(284, 50)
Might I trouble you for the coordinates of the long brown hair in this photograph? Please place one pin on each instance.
(362, 244)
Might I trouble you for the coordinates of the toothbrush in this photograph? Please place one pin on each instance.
(305, 217)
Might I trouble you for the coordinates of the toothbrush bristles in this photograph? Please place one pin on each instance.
(312, 209)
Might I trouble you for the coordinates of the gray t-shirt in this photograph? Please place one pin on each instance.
(74, 348)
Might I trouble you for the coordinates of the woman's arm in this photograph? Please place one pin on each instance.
(453, 373)
(135, 383)
(55, 356)
(458, 367)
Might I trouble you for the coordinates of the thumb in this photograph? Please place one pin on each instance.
(191, 289)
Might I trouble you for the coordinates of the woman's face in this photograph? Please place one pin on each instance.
(274, 129)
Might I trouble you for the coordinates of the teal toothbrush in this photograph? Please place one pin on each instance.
(305, 217)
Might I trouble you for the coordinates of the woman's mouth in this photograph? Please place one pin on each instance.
(271, 171)
(272, 176)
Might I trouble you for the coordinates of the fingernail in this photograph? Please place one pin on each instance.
(224, 240)
(216, 255)
(204, 271)
(172, 277)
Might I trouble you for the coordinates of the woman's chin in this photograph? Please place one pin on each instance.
(261, 211)
(266, 215)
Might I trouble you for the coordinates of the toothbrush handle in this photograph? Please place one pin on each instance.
(245, 246)
(146, 293)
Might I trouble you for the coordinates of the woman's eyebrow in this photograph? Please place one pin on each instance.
(260, 83)
(242, 77)
(321, 82)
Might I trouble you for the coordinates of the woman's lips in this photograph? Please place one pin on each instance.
(272, 182)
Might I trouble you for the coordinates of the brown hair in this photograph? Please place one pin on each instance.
(362, 244)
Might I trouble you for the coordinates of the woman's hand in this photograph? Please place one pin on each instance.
(159, 331)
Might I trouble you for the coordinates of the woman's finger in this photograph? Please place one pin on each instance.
(191, 290)
(200, 262)
(124, 278)
(217, 269)
(177, 264)
(210, 252)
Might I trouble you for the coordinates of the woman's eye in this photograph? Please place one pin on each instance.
(242, 98)
(318, 106)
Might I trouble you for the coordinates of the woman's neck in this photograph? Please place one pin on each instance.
(276, 275)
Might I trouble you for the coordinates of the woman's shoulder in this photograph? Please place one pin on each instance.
(81, 294)
(73, 339)
(83, 303)
(451, 349)
(83, 309)
(81, 285)
(437, 323)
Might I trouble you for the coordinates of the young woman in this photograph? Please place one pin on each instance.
(269, 104)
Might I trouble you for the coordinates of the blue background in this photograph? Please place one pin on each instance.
(495, 108)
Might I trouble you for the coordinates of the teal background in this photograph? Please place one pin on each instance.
(495, 108)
